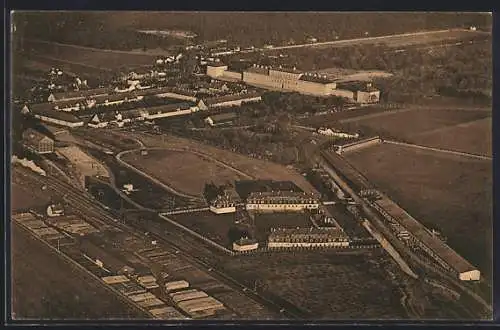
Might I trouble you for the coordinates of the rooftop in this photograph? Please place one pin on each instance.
(312, 231)
(168, 108)
(228, 98)
(287, 70)
(457, 262)
(61, 115)
(355, 86)
(277, 195)
(316, 78)
(259, 70)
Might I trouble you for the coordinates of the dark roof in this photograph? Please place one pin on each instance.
(316, 79)
(458, 263)
(33, 136)
(245, 187)
(82, 93)
(228, 98)
(153, 91)
(223, 117)
(306, 232)
(169, 107)
(287, 70)
(355, 86)
(115, 97)
(255, 69)
(280, 195)
(216, 64)
(61, 115)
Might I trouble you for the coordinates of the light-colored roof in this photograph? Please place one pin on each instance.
(222, 117)
(457, 262)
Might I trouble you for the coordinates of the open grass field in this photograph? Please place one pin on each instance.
(215, 227)
(407, 124)
(472, 137)
(44, 286)
(184, 171)
(327, 285)
(25, 197)
(450, 193)
(256, 168)
(90, 56)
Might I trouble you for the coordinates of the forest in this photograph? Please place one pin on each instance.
(118, 30)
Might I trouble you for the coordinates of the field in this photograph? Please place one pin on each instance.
(408, 123)
(184, 171)
(215, 227)
(326, 285)
(105, 59)
(472, 137)
(47, 287)
(450, 193)
(24, 197)
(256, 168)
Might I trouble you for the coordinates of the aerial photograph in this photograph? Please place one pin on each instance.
(261, 166)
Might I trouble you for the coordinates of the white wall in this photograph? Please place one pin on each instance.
(473, 275)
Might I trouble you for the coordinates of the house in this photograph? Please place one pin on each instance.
(37, 142)
(96, 122)
(221, 119)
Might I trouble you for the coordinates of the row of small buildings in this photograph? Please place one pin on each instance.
(293, 80)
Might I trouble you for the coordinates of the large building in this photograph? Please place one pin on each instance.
(225, 202)
(292, 80)
(281, 201)
(37, 142)
(307, 238)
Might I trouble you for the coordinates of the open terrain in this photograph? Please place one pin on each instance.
(407, 123)
(256, 168)
(47, 287)
(473, 137)
(89, 57)
(215, 227)
(24, 197)
(182, 170)
(328, 285)
(450, 193)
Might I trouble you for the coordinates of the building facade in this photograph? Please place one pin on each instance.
(307, 238)
(245, 244)
(281, 201)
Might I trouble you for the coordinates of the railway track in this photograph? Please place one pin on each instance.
(172, 238)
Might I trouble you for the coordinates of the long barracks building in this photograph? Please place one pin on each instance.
(292, 80)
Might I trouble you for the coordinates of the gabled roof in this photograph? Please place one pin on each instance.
(61, 115)
(228, 98)
(168, 107)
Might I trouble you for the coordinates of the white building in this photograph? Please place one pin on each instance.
(281, 201)
(245, 244)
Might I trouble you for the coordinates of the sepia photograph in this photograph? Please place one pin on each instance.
(278, 166)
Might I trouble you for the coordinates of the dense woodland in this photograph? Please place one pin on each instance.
(118, 30)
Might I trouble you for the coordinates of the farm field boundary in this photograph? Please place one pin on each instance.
(374, 115)
(457, 153)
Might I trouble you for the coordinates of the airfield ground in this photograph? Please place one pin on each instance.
(450, 193)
